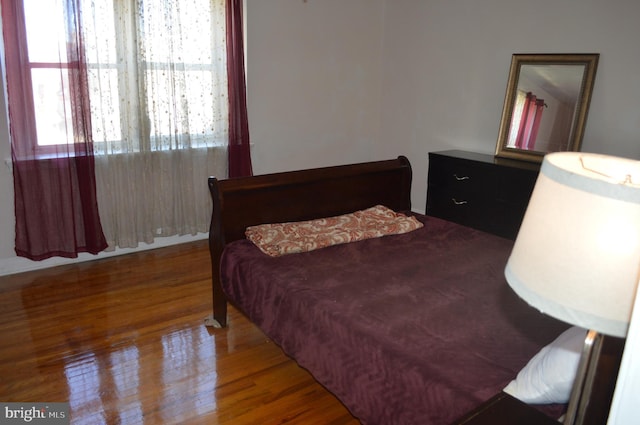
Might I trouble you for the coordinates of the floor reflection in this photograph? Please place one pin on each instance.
(188, 357)
(123, 341)
(83, 383)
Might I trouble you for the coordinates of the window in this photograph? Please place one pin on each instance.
(132, 108)
(50, 86)
(516, 118)
(156, 76)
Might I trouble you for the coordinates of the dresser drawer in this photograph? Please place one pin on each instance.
(466, 208)
(459, 175)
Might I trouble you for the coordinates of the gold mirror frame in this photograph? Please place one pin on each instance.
(566, 81)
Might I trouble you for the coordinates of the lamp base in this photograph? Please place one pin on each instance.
(595, 380)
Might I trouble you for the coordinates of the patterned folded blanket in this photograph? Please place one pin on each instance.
(276, 239)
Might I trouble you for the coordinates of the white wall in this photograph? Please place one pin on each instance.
(336, 81)
(314, 80)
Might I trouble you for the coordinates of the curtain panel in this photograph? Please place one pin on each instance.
(55, 193)
(530, 122)
(239, 142)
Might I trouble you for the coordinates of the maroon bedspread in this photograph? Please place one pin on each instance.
(409, 329)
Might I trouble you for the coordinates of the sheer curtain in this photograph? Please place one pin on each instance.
(159, 80)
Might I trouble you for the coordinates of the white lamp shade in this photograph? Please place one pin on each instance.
(577, 254)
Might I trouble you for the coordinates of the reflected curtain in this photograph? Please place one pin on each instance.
(530, 122)
(56, 209)
(239, 142)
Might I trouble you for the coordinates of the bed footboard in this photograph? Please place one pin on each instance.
(296, 196)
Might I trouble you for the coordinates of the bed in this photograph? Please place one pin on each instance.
(410, 328)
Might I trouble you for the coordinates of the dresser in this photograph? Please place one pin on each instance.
(479, 190)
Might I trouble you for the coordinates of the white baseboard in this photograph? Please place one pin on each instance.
(15, 265)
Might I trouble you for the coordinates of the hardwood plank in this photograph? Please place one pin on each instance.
(123, 341)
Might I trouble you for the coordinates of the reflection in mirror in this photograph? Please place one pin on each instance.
(546, 105)
(549, 91)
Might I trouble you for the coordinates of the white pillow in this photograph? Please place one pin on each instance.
(549, 375)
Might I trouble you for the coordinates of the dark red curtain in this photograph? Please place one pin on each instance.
(239, 144)
(56, 209)
(530, 122)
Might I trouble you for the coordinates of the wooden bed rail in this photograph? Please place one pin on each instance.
(295, 196)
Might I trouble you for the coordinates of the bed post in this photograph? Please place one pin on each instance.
(216, 245)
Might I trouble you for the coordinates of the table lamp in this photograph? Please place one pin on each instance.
(577, 253)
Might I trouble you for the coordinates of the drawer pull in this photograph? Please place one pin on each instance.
(456, 202)
(461, 178)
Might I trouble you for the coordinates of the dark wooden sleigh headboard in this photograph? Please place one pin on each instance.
(295, 196)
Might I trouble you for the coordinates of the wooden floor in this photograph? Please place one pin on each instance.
(123, 341)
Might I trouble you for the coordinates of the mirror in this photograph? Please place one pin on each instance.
(546, 104)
